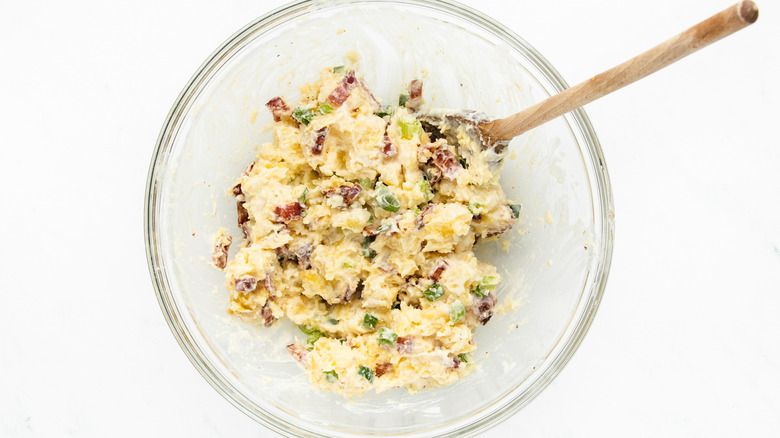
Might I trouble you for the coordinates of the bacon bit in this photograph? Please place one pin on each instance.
(268, 282)
(483, 308)
(283, 253)
(419, 221)
(382, 369)
(289, 212)
(298, 352)
(220, 255)
(350, 293)
(278, 108)
(404, 345)
(477, 218)
(246, 284)
(347, 295)
(445, 160)
(388, 149)
(415, 89)
(249, 168)
(440, 268)
(348, 192)
(303, 253)
(243, 215)
(415, 96)
(342, 91)
(319, 140)
(237, 190)
(267, 315)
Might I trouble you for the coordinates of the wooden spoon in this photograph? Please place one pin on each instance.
(497, 133)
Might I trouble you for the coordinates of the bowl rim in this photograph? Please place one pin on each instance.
(465, 427)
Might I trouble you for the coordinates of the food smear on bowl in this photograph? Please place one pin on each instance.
(359, 227)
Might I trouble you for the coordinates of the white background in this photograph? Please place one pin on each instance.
(685, 342)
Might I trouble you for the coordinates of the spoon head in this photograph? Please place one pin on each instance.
(450, 123)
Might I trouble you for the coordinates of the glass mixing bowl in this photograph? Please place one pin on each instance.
(554, 263)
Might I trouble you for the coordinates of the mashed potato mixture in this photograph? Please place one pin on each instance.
(359, 228)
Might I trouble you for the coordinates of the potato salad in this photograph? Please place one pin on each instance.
(359, 227)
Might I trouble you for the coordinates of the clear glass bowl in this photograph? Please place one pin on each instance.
(554, 263)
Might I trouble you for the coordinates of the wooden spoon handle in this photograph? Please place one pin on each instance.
(708, 31)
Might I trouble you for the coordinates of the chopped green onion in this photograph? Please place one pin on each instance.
(333, 321)
(366, 183)
(366, 373)
(385, 199)
(304, 196)
(387, 337)
(434, 292)
(515, 210)
(485, 285)
(331, 376)
(463, 162)
(489, 282)
(303, 115)
(457, 311)
(425, 188)
(312, 335)
(338, 69)
(349, 264)
(367, 251)
(402, 99)
(464, 357)
(386, 111)
(324, 108)
(369, 321)
(384, 228)
(476, 208)
(416, 211)
(409, 126)
(307, 330)
(311, 339)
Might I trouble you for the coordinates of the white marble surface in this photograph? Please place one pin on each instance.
(685, 342)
